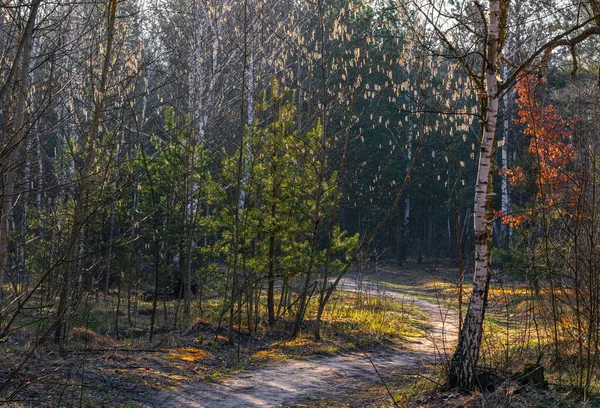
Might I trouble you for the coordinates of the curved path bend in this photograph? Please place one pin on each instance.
(331, 378)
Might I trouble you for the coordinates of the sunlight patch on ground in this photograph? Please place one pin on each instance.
(188, 354)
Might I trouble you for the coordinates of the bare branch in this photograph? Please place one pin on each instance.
(546, 49)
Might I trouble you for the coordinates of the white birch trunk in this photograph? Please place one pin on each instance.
(195, 75)
(203, 70)
(249, 101)
(213, 79)
(406, 218)
(504, 187)
(250, 94)
(464, 361)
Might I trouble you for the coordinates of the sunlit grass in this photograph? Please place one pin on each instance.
(519, 326)
(188, 354)
(373, 319)
(349, 321)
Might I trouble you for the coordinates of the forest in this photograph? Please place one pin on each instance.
(201, 198)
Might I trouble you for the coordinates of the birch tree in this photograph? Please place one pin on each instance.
(464, 361)
(491, 30)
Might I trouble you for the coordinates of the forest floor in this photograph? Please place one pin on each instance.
(349, 379)
(393, 361)
(195, 366)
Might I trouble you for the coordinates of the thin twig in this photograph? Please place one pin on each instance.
(379, 375)
(426, 378)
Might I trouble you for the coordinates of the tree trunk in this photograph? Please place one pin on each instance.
(464, 361)
(76, 245)
(272, 247)
(303, 299)
(504, 165)
(240, 195)
(16, 142)
(320, 168)
(406, 219)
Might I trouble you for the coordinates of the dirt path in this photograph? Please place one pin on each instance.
(326, 377)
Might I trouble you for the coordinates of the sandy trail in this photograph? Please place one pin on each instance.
(325, 377)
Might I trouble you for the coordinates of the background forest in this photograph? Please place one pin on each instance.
(236, 159)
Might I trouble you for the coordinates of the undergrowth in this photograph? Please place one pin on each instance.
(109, 347)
